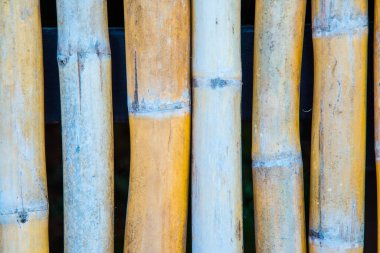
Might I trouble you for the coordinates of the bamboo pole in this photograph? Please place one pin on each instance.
(276, 153)
(376, 74)
(23, 188)
(340, 35)
(157, 52)
(84, 60)
(216, 169)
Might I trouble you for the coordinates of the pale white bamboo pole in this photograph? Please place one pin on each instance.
(84, 60)
(216, 167)
(23, 188)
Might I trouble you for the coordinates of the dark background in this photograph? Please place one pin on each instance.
(121, 130)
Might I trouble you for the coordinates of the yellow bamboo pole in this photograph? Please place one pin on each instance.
(216, 165)
(157, 51)
(23, 188)
(84, 60)
(376, 74)
(276, 151)
(340, 35)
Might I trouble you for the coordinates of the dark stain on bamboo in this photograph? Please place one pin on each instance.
(80, 68)
(62, 60)
(338, 100)
(22, 217)
(100, 53)
(218, 83)
(135, 103)
(321, 165)
(316, 234)
(238, 230)
(215, 83)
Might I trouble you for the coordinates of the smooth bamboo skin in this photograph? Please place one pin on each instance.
(376, 74)
(158, 63)
(216, 158)
(23, 186)
(276, 152)
(340, 35)
(84, 61)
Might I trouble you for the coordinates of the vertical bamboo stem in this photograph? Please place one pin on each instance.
(23, 189)
(276, 152)
(216, 169)
(157, 52)
(340, 35)
(84, 60)
(376, 69)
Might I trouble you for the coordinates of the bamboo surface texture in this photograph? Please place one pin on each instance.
(84, 60)
(376, 74)
(276, 152)
(216, 166)
(340, 34)
(23, 188)
(158, 64)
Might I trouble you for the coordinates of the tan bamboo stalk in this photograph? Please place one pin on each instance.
(376, 74)
(157, 51)
(340, 35)
(276, 151)
(23, 188)
(84, 60)
(216, 169)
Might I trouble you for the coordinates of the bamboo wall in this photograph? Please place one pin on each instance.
(205, 176)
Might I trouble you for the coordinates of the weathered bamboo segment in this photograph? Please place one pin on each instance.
(157, 50)
(340, 35)
(376, 74)
(276, 151)
(23, 188)
(216, 169)
(84, 60)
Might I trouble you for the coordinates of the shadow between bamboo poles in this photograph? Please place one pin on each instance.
(158, 64)
(276, 152)
(84, 60)
(23, 186)
(340, 34)
(376, 74)
(216, 168)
